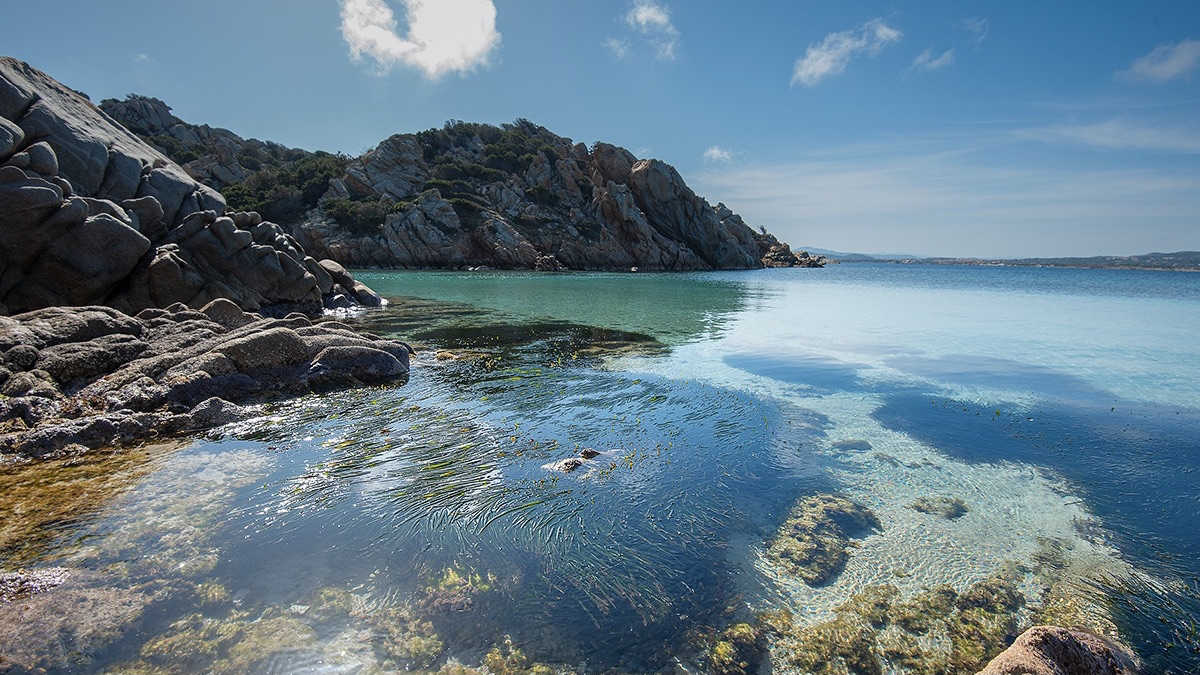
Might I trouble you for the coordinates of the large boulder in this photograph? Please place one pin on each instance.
(1050, 650)
(94, 215)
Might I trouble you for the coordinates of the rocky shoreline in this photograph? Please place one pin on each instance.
(81, 378)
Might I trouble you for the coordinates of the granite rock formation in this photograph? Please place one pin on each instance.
(78, 378)
(94, 215)
(474, 195)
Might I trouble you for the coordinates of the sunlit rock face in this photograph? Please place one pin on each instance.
(470, 195)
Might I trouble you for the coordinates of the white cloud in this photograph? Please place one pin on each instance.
(717, 154)
(978, 28)
(619, 48)
(443, 36)
(1165, 63)
(926, 61)
(654, 21)
(1120, 135)
(831, 56)
(139, 57)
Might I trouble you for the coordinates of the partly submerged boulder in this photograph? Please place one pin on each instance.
(1050, 650)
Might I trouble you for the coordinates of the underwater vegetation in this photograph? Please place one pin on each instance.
(738, 650)
(813, 542)
(935, 631)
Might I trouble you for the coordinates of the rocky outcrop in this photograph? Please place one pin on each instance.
(455, 201)
(1049, 650)
(472, 195)
(76, 378)
(94, 215)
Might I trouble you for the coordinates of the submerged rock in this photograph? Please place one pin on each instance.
(61, 629)
(950, 508)
(738, 650)
(813, 542)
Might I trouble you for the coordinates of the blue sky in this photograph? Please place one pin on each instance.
(939, 127)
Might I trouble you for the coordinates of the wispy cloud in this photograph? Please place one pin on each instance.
(978, 27)
(619, 48)
(1120, 135)
(1167, 62)
(718, 154)
(444, 36)
(139, 57)
(652, 20)
(926, 61)
(834, 53)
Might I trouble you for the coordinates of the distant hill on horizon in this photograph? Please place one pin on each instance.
(842, 255)
(1177, 260)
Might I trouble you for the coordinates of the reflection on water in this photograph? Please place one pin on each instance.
(671, 307)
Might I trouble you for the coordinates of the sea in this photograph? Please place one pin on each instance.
(585, 472)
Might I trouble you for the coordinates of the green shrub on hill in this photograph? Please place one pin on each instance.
(282, 192)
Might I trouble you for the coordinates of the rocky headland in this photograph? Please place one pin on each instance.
(469, 195)
(133, 292)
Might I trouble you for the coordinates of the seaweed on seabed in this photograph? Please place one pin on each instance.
(937, 631)
(812, 543)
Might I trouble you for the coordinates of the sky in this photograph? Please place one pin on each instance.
(958, 128)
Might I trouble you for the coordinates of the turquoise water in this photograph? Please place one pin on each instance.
(1061, 406)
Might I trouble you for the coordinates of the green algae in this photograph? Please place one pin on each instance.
(228, 645)
(44, 501)
(813, 542)
(739, 650)
(920, 613)
(936, 630)
(404, 640)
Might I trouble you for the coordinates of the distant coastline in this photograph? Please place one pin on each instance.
(1179, 261)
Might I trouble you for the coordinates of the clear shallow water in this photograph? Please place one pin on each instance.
(345, 533)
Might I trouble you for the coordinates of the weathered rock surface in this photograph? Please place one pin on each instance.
(473, 195)
(1049, 650)
(94, 215)
(85, 377)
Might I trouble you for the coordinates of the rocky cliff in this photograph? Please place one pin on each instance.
(468, 195)
(92, 215)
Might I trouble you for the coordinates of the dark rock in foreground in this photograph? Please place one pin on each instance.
(76, 378)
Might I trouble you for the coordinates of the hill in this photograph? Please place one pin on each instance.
(468, 195)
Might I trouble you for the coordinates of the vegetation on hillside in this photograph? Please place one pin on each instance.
(282, 190)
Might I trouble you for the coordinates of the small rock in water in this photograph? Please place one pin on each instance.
(588, 453)
(949, 508)
(565, 465)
